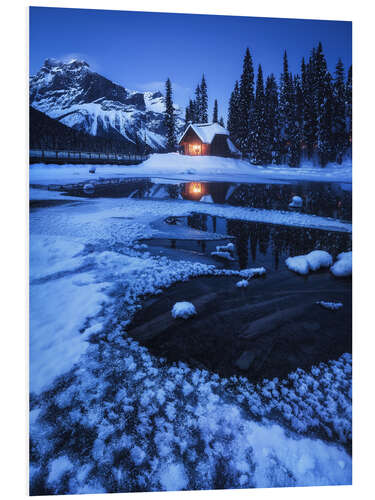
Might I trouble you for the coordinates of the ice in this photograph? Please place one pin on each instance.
(58, 467)
(332, 306)
(119, 418)
(183, 310)
(343, 265)
(313, 261)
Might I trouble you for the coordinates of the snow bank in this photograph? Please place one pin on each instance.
(242, 284)
(343, 265)
(296, 202)
(252, 272)
(332, 306)
(183, 310)
(181, 167)
(313, 261)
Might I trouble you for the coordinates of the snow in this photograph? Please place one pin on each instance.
(205, 131)
(184, 310)
(242, 284)
(143, 209)
(197, 168)
(120, 419)
(296, 202)
(313, 261)
(58, 467)
(332, 306)
(343, 265)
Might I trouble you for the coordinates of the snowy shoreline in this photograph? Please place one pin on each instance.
(189, 168)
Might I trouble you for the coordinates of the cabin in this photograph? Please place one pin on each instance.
(207, 139)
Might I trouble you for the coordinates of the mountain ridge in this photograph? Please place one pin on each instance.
(73, 94)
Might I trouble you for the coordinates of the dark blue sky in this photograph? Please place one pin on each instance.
(140, 50)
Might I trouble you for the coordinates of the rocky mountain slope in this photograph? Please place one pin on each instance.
(86, 101)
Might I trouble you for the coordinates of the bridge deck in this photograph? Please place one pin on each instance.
(85, 157)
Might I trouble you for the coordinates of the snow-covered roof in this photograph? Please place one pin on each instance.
(205, 131)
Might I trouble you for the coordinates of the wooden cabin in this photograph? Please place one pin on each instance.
(207, 139)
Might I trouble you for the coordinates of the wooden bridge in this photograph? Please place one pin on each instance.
(84, 157)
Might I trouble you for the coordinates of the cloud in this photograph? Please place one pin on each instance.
(154, 86)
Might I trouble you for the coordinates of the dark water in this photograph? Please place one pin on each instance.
(325, 199)
(258, 244)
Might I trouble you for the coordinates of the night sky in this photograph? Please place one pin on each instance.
(140, 50)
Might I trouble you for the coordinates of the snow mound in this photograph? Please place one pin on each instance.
(303, 264)
(184, 310)
(252, 272)
(296, 202)
(332, 306)
(343, 265)
(224, 251)
(242, 284)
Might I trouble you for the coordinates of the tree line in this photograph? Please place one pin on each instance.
(195, 112)
(303, 116)
(306, 116)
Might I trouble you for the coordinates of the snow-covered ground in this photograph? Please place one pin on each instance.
(188, 168)
(106, 415)
(147, 210)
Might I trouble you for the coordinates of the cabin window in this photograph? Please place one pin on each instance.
(195, 149)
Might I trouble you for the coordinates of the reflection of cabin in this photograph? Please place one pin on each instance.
(207, 139)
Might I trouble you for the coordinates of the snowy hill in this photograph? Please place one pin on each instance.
(78, 97)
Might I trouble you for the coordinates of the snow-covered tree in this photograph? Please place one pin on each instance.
(348, 105)
(215, 118)
(204, 101)
(259, 144)
(339, 118)
(246, 104)
(271, 103)
(169, 118)
(234, 115)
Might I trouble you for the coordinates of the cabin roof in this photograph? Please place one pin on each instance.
(205, 131)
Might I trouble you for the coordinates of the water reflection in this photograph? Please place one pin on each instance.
(268, 244)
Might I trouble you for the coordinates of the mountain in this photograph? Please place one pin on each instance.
(47, 133)
(84, 100)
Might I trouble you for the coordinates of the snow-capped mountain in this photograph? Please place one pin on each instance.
(80, 98)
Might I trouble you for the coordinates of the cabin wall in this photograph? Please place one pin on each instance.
(193, 146)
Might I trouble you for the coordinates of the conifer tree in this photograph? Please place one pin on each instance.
(246, 104)
(260, 142)
(310, 109)
(233, 115)
(348, 105)
(169, 119)
(339, 119)
(271, 102)
(215, 113)
(221, 122)
(204, 101)
(198, 105)
(324, 103)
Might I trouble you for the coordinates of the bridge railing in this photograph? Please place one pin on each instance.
(84, 155)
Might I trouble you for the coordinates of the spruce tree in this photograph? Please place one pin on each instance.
(339, 118)
(324, 104)
(348, 106)
(221, 122)
(204, 101)
(246, 105)
(198, 105)
(310, 106)
(234, 114)
(271, 102)
(260, 140)
(215, 113)
(169, 119)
